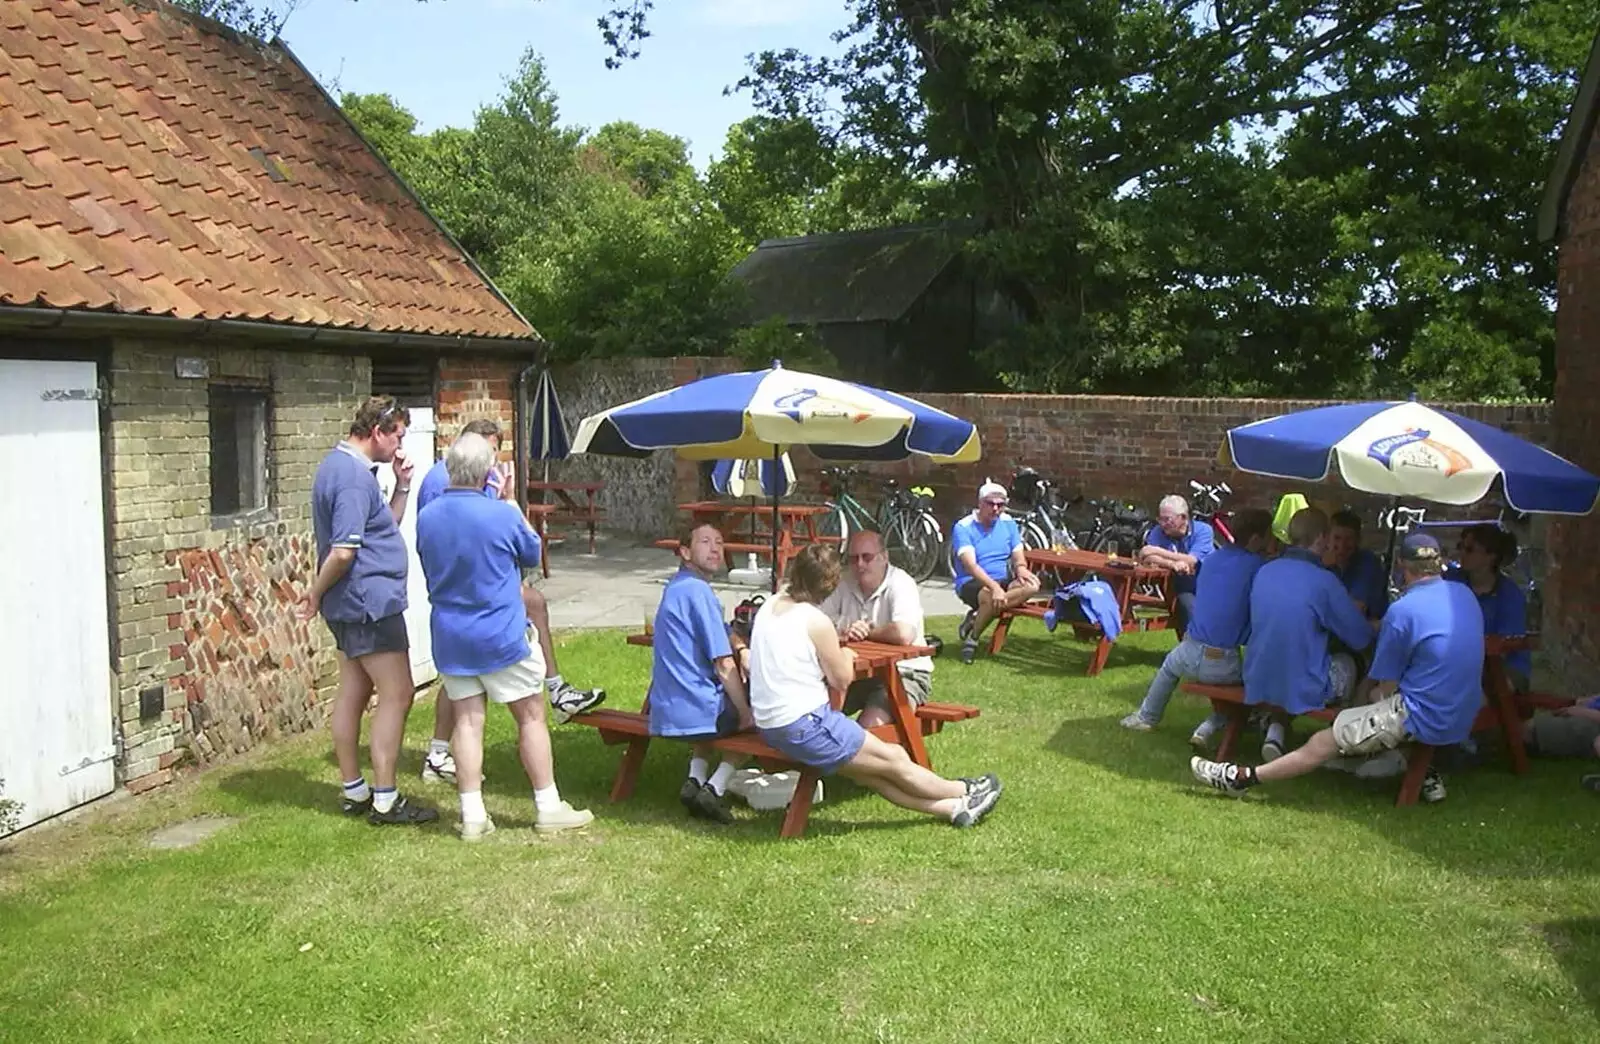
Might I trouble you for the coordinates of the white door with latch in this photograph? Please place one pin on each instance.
(418, 446)
(56, 748)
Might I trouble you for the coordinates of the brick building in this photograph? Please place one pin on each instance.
(203, 270)
(1570, 216)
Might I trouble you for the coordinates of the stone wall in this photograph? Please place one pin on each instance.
(204, 613)
(1573, 593)
(641, 494)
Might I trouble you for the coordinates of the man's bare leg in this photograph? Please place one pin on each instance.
(1234, 779)
(533, 741)
(538, 610)
(391, 675)
(355, 689)
(468, 742)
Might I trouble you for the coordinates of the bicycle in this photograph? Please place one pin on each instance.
(1206, 506)
(1526, 570)
(1043, 521)
(911, 533)
(1115, 527)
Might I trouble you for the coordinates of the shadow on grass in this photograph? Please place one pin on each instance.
(1133, 755)
(1576, 945)
(282, 786)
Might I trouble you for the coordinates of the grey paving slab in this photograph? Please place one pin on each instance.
(621, 582)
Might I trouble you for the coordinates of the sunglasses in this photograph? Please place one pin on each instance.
(862, 556)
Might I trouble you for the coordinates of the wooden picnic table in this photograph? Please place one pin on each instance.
(585, 511)
(906, 728)
(537, 515)
(747, 527)
(1124, 575)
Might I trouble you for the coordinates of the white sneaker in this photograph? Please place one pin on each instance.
(1200, 741)
(1272, 750)
(564, 817)
(439, 768)
(1433, 790)
(1136, 723)
(475, 831)
(567, 700)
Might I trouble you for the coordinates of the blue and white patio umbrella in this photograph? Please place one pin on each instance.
(1408, 450)
(753, 478)
(759, 415)
(548, 439)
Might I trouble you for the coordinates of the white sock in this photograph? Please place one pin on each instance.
(438, 749)
(719, 779)
(383, 798)
(1205, 728)
(357, 790)
(472, 810)
(553, 682)
(547, 800)
(698, 769)
(1275, 733)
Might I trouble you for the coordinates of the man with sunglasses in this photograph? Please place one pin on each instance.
(991, 567)
(360, 590)
(879, 602)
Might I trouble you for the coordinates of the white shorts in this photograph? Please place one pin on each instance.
(507, 685)
(1372, 728)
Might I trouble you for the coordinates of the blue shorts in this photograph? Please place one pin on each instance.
(727, 725)
(367, 637)
(824, 739)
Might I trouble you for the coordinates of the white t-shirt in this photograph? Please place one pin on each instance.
(895, 601)
(786, 679)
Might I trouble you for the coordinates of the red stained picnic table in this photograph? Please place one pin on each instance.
(538, 516)
(907, 727)
(1124, 575)
(574, 502)
(747, 528)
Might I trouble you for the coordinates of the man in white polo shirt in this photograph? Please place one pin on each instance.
(878, 602)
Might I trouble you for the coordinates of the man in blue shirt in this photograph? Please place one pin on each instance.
(1180, 544)
(473, 549)
(696, 690)
(1358, 569)
(1428, 667)
(1209, 651)
(1483, 552)
(565, 698)
(991, 568)
(360, 590)
(1296, 605)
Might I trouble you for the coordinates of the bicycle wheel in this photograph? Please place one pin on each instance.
(927, 542)
(834, 525)
(904, 542)
(1034, 538)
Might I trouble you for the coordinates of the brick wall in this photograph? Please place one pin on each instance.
(476, 389)
(641, 495)
(1573, 591)
(206, 614)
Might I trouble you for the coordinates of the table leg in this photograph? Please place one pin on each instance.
(1419, 758)
(785, 547)
(905, 717)
(593, 514)
(536, 520)
(628, 770)
(1497, 693)
(794, 820)
(1237, 716)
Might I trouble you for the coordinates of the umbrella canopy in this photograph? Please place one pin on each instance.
(750, 478)
(549, 439)
(755, 414)
(1406, 449)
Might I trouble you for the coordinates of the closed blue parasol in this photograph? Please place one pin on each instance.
(548, 438)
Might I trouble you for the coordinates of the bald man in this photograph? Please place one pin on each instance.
(879, 602)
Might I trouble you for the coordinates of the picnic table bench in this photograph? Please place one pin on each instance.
(574, 504)
(907, 728)
(1503, 711)
(1123, 575)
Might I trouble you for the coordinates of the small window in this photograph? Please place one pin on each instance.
(238, 453)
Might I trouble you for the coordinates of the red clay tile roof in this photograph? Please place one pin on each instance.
(135, 148)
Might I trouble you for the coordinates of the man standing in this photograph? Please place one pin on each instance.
(473, 549)
(1296, 604)
(360, 590)
(696, 691)
(876, 601)
(1180, 544)
(565, 699)
(992, 572)
(1209, 651)
(1357, 568)
(1428, 667)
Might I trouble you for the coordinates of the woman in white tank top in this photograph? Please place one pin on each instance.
(795, 660)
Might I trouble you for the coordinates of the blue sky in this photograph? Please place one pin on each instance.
(444, 58)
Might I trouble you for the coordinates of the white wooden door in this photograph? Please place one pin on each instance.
(418, 446)
(55, 708)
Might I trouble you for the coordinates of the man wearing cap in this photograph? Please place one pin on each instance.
(1429, 683)
(1296, 606)
(991, 570)
(1180, 544)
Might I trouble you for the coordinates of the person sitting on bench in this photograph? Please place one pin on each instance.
(473, 550)
(696, 691)
(1483, 551)
(1209, 651)
(1296, 606)
(1428, 667)
(1179, 543)
(877, 601)
(795, 658)
(991, 569)
(1358, 569)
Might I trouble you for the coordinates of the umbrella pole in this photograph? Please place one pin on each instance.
(777, 496)
(1388, 560)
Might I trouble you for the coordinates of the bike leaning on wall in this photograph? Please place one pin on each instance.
(911, 532)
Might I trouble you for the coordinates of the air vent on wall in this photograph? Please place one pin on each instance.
(410, 380)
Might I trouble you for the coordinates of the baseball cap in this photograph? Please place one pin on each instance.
(1419, 547)
(992, 488)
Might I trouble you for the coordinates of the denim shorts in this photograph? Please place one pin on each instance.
(727, 725)
(824, 739)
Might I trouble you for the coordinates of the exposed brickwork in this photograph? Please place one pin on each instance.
(476, 389)
(1573, 591)
(171, 593)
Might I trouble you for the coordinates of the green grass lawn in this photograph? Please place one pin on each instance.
(1107, 899)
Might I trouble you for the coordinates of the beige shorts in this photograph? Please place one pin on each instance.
(507, 685)
(869, 692)
(1372, 728)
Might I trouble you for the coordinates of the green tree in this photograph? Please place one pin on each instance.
(651, 161)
